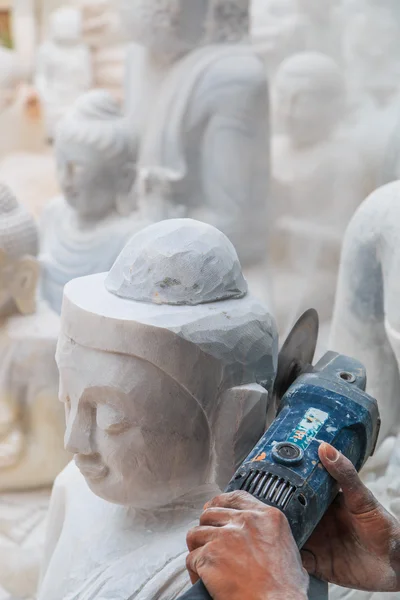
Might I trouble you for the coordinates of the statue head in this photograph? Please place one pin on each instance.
(19, 269)
(161, 363)
(65, 25)
(10, 77)
(372, 46)
(95, 156)
(278, 29)
(309, 93)
(173, 27)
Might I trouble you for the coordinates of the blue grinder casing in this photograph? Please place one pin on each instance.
(328, 404)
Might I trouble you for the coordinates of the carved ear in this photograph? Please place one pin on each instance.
(240, 422)
(24, 284)
(126, 201)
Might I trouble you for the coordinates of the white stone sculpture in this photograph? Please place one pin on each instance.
(102, 31)
(317, 178)
(31, 419)
(372, 59)
(63, 69)
(161, 362)
(279, 30)
(366, 318)
(84, 230)
(197, 100)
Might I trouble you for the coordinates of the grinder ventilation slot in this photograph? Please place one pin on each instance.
(272, 488)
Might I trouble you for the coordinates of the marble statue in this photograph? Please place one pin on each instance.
(317, 180)
(63, 69)
(279, 30)
(197, 99)
(161, 363)
(84, 230)
(372, 59)
(31, 419)
(102, 32)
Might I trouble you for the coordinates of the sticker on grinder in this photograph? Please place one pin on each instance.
(310, 425)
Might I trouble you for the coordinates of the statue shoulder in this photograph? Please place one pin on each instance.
(232, 81)
(53, 209)
(241, 68)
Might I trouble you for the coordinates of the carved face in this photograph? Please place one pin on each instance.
(88, 180)
(138, 438)
(18, 282)
(307, 110)
(277, 27)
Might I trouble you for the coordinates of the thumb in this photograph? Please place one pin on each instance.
(357, 497)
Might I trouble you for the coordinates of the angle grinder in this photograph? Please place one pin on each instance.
(322, 403)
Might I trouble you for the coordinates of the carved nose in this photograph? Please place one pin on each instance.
(78, 434)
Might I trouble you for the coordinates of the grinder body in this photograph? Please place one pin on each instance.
(330, 405)
(326, 404)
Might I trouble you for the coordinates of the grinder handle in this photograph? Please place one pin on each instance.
(197, 592)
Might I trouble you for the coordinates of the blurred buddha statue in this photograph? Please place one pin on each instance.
(31, 419)
(366, 324)
(64, 69)
(84, 230)
(197, 99)
(161, 362)
(316, 175)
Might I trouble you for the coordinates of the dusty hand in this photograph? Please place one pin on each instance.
(244, 549)
(357, 543)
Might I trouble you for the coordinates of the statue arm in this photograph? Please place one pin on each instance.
(358, 327)
(232, 101)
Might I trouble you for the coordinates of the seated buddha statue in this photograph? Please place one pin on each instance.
(165, 366)
(31, 422)
(197, 105)
(84, 229)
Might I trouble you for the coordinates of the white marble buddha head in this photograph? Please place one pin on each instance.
(95, 157)
(278, 29)
(173, 27)
(65, 25)
(19, 269)
(309, 96)
(372, 46)
(161, 362)
(10, 77)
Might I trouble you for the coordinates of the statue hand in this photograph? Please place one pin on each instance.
(235, 551)
(357, 543)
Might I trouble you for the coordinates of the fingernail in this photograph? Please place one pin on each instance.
(331, 453)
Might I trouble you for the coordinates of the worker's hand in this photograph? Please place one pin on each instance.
(357, 543)
(244, 549)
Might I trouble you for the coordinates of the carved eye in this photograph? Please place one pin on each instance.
(111, 420)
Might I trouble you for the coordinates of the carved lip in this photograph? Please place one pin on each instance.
(91, 469)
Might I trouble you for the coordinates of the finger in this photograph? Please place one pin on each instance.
(309, 561)
(235, 501)
(198, 537)
(196, 562)
(190, 562)
(217, 517)
(357, 498)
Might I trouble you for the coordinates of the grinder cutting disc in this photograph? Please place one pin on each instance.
(297, 353)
